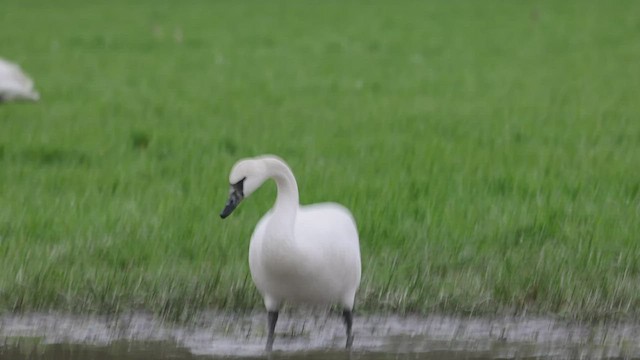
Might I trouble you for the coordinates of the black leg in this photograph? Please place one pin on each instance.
(347, 315)
(273, 318)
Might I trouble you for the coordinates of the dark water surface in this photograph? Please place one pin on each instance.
(166, 350)
(310, 337)
(29, 348)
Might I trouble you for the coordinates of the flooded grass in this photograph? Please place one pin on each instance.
(311, 336)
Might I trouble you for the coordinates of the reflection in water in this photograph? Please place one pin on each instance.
(241, 336)
(34, 349)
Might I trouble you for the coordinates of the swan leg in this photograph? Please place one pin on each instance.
(347, 316)
(273, 318)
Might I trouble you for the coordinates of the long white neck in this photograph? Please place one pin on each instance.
(281, 251)
(287, 201)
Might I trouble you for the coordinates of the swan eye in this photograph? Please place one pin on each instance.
(239, 187)
(236, 194)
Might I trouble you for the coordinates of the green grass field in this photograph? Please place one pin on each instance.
(490, 150)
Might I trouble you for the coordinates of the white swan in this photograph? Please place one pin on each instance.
(14, 84)
(299, 254)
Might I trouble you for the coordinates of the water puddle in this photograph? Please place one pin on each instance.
(310, 336)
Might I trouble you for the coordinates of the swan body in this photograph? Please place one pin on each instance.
(298, 254)
(326, 268)
(15, 84)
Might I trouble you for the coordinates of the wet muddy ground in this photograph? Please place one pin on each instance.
(310, 336)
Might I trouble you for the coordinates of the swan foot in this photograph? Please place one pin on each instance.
(349, 342)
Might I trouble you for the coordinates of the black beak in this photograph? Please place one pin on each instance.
(235, 196)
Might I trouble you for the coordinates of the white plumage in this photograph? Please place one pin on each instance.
(319, 264)
(298, 254)
(15, 84)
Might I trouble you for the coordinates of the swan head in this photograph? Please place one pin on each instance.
(246, 176)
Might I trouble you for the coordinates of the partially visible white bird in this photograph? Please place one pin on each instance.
(15, 84)
(300, 254)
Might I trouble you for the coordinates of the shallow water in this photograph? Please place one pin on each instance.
(125, 350)
(310, 336)
(30, 348)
